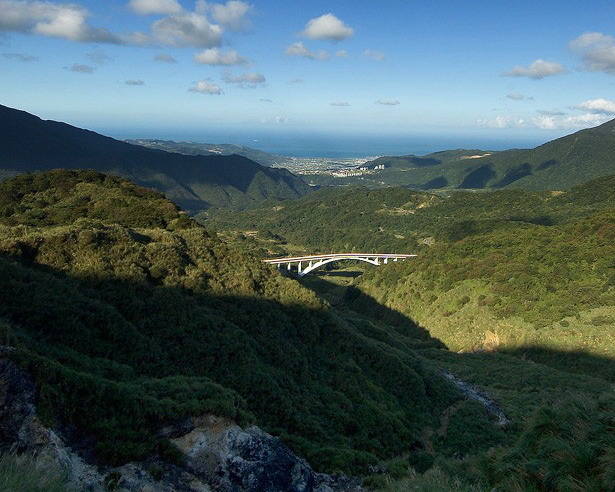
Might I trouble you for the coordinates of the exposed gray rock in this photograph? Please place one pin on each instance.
(17, 409)
(233, 459)
(480, 396)
(220, 455)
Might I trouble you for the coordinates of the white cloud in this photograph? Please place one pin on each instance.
(79, 68)
(388, 102)
(58, 20)
(327, 27)
(301, 50)
(597, 106)
(502, 121)
(22, 57)
(545, 122)
(341, 54)
(339, 103)
(516, 96)
(585, 120)
(206, 87)
(213, 56)
(232, 15)
(187, 29)
(165, 58)
(134, 82)
(249, 80)
(538, 69)
(148, 7)
(595, 112)
(374, 55)
(597, 50)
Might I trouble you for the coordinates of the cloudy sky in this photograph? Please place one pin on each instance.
(540, 68)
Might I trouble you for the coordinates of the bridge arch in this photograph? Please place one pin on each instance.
(314, 266)
(313, 262)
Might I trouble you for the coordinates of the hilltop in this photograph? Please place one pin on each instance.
(28, 143)
(555, 165)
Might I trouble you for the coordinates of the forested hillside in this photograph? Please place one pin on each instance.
(130, 315)
(555, 165)
(406, 221)
(195, 182)
(164, 320)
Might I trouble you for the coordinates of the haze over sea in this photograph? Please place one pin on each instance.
(339, 146)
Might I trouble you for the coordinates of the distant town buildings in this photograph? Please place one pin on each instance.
(339, 168)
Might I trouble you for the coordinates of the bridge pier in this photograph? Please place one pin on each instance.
(306, 264)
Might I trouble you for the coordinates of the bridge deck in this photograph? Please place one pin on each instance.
(341, 256)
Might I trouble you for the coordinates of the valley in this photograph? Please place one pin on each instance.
(140, 325)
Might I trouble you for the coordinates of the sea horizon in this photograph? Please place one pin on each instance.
(331, 146)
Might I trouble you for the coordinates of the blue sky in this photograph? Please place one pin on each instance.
(166, 67)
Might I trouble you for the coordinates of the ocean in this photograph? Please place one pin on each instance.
(342, 145)
(338, 147)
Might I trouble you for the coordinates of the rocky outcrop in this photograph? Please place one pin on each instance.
(234, 459)
(220, 455)
(17, 409)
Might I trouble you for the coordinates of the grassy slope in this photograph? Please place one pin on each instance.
(526, 278)
(127, 321)
(397, 219)
(526, 391)
(170, 307)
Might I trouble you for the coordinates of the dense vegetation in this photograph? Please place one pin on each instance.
(126, 323)
(401, 220)
(555, 165)
(521, 283)
(195, 182)
(515, 288)
(129, 315)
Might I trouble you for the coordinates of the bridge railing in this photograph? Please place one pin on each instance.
(316, 261)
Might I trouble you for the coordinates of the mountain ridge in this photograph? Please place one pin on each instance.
(555, 165)
(28, 143)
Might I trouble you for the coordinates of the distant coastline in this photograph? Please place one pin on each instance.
(336, 146)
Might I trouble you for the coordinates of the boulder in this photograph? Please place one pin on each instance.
(232, 459)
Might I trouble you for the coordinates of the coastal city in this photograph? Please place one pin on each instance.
(339, 168)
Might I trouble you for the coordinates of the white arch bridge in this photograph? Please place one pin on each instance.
(306, 264)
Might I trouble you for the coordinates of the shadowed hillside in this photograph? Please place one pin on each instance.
(28, 143)
(165, 320)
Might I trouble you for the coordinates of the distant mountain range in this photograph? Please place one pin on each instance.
(558, 164)
(195, 182)
(196, 148)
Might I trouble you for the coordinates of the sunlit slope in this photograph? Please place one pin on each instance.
(555, 165)
(146, 315)
(405, 221)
